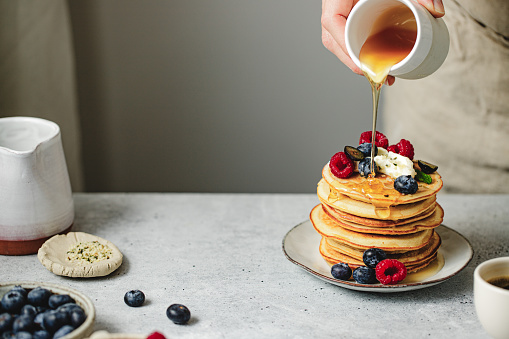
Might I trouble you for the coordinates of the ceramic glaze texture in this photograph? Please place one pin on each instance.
(35, 191)
(492, 302)
(431, 46)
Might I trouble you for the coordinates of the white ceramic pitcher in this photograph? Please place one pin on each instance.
(35, 192)
(431, 45)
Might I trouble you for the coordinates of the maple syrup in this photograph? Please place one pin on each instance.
(427, 272)
(390, 40)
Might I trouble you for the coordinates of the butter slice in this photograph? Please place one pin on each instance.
(393, 164)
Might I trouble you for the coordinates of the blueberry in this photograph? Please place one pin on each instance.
(364, 275)
(8, 335)
(68, 307)
(23, 335)
(38, 319)
(29, 310)
(39, 296)
(23, 323)
(373, 256)
(364, 167)
(405, 184)
(5, 322)
(57, 300)
(353, 153)
(20, 289)
(65, 330)
(54, 320)
(41, 309)
(134, 298)
(365, 148)
(178, 313)
(341, 271)
(13, 301)
(78, 317)
(41, 334)
(426, 167)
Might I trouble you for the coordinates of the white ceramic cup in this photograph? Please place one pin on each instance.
(35, 192)
(492, 302)
(431, 46)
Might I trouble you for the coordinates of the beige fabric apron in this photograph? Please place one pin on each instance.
(37, 70)
(458, 118)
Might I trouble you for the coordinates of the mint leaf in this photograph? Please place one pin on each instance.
(421, 176)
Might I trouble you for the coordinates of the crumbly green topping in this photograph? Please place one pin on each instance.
(88, 252)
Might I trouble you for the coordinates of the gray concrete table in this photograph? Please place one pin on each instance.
(220, 254)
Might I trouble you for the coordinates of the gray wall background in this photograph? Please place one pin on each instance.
(211, 96)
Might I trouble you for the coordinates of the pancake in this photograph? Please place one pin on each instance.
(332, 257)
(338, 214)
(415, 256)
(360, 213)
(329, 228)
(432, 221)
(366, 210)
(356, 187)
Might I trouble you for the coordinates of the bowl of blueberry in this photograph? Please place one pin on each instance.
(35, 310)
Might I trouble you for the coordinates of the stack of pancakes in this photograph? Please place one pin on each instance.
(359, 213)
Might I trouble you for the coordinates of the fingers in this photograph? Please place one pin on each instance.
(390, 80)
(331, 44)
(334, 14)
(435, 7)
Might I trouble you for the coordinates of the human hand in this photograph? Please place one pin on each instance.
(334, 15)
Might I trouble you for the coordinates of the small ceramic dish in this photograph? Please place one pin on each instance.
(82, 300)
(53, 255)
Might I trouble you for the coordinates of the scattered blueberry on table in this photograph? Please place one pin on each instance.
(178, 313)
(134, 298)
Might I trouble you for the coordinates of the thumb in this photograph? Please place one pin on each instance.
(435, 7)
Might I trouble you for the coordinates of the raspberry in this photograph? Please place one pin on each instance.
(390, 271)
(341, 165)
(405, 148)
(393, 148)
(156, 335)
(380, 139)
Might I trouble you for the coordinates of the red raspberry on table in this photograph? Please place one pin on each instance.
(390, 271)
(405, 148)
(380, 139)
(341, 165)
(393, 148)
(156, 335)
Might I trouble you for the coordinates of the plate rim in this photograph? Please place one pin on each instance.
(377, 287)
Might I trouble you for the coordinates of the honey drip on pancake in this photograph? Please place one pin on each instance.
(380, 195)
(334, 196)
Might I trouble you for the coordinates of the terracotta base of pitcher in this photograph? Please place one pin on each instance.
(24, 247)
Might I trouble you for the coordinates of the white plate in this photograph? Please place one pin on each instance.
(300, 246)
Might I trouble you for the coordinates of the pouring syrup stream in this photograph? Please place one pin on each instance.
(391, 39)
